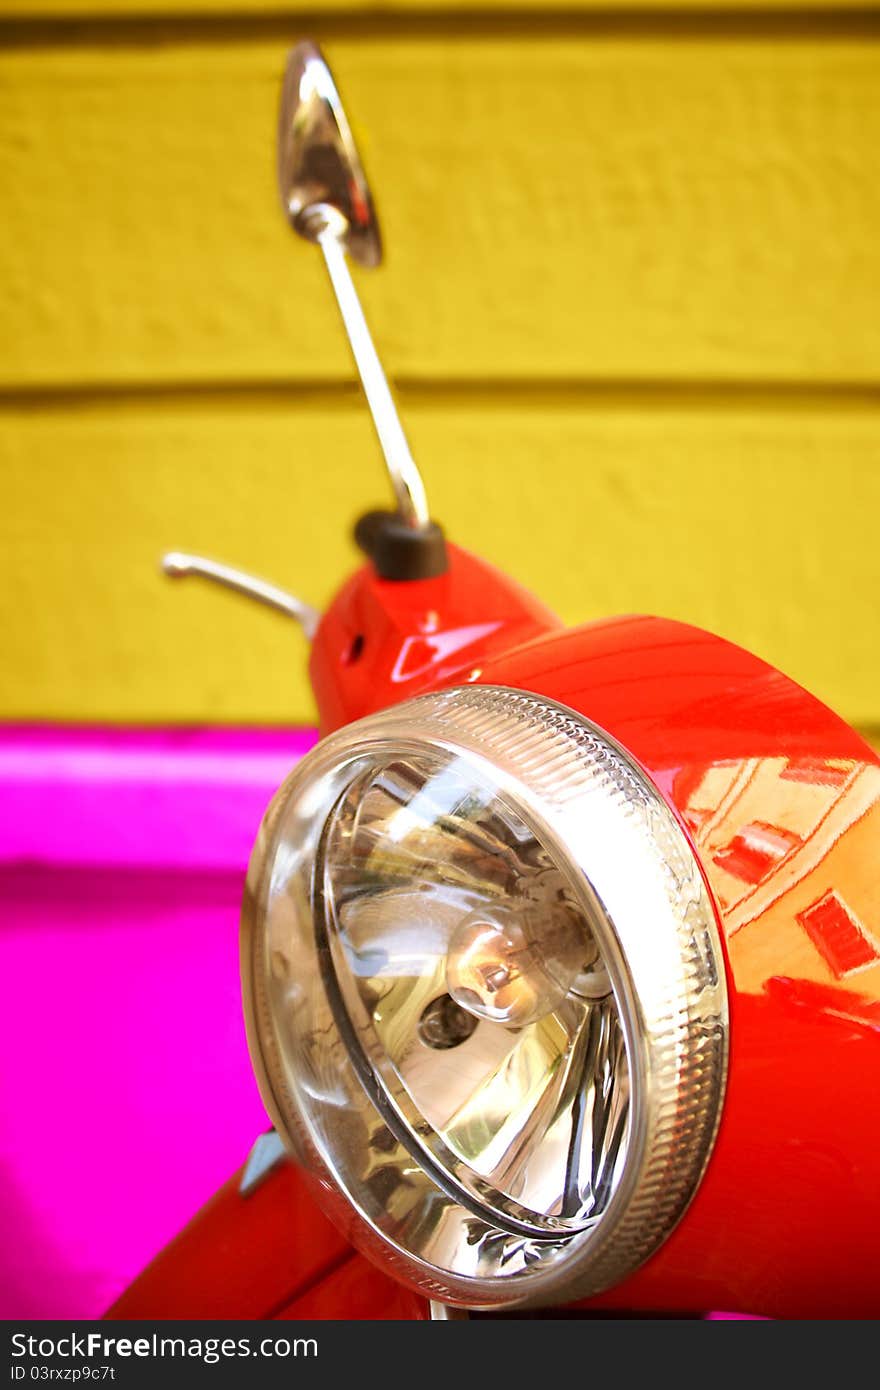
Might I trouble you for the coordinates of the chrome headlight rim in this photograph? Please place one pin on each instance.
(671, 998)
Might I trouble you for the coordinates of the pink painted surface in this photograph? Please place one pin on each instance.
(126, 1095)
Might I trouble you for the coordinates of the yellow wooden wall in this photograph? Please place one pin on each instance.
(631, 301)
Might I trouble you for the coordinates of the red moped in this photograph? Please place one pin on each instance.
(560, 951)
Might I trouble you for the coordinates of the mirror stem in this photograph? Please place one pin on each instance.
(405, 477)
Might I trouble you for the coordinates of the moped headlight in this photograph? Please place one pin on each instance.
(485, 995)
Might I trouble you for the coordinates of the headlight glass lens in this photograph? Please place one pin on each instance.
(485, 996)
(474, 985)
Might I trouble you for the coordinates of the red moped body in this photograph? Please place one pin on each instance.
(781, 802)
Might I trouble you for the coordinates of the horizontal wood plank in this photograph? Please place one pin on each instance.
(757, 523)
(113, 10)
(553, 207)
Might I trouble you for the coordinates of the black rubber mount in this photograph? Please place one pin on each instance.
(399, 551)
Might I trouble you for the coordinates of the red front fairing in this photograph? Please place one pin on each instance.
(382, 641)
(780, 800)
(270, 1254)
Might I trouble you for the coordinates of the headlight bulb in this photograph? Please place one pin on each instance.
(494, 972)
(516, 966)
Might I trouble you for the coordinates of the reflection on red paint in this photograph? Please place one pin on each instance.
(755, 850)
(822, 772)
(837, 933)
(419, 655)
(861, 1009)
